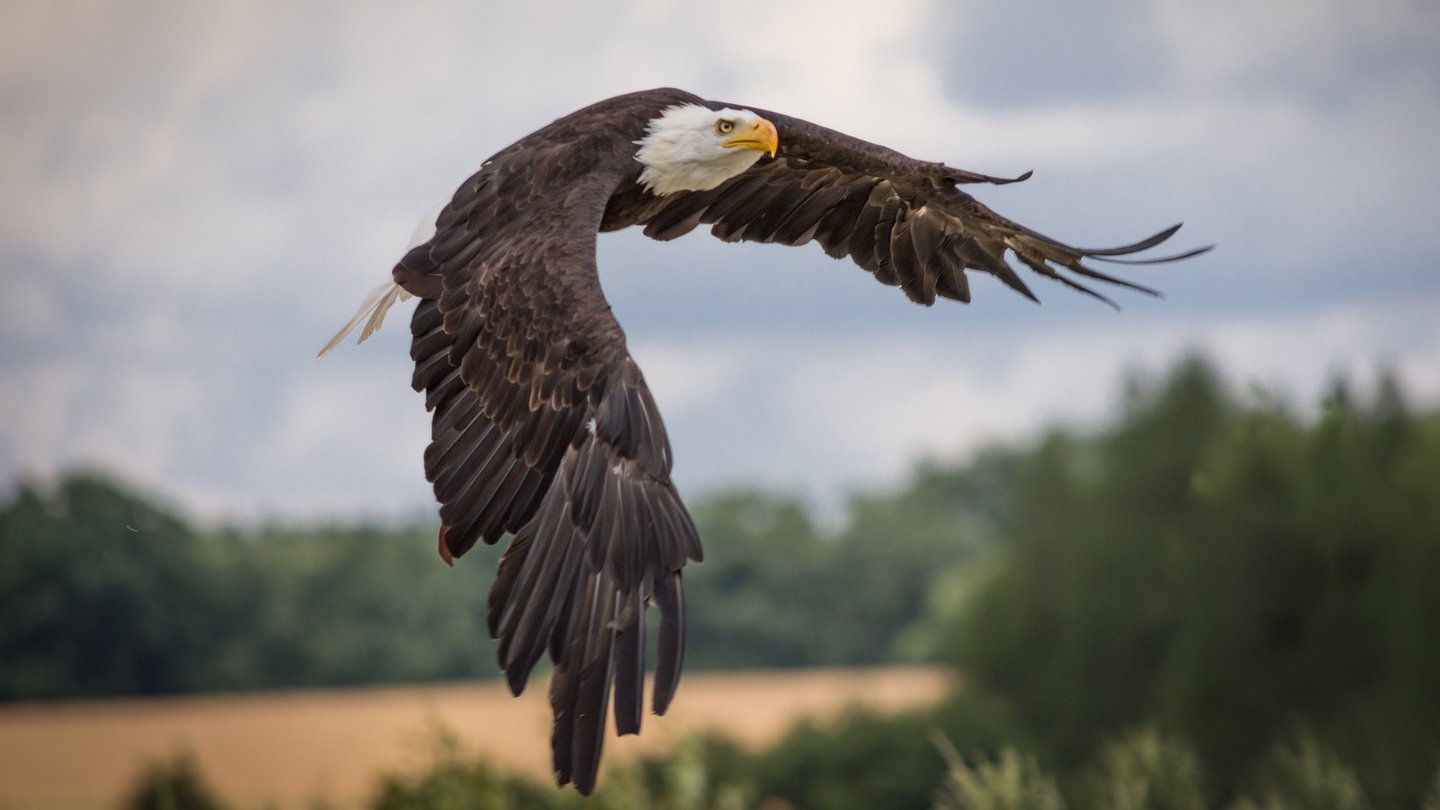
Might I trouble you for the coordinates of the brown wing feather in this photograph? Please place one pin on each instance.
(903, 220)
(544, 429)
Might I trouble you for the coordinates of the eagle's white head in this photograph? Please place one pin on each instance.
(693, 148)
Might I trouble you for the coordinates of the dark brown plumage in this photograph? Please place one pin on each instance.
(543, 426)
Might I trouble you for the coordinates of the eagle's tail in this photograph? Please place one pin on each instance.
(374, 307)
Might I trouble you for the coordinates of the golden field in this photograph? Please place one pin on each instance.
(286, 749)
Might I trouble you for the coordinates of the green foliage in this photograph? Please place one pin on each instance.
(775, 590)
(1303, 775)
(1013, 782)
(457, 781)
(102, 593)
(454, 784)
(699, 773)
(354, 606)
(166, 609)
(1146, 771)
(890, 554)
(1224, 570)
(1431, 799)
(753, 601)
(174, 610)
(707, 772)
(866, 760)
(869, 761)
(173, 785)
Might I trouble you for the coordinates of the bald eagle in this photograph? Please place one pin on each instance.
(543, 426)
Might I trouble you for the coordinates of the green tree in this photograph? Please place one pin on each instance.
(343, 606)
(102, 593)
(1225, 570)
(753, 601)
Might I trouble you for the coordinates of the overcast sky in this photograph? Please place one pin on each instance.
(195, 195)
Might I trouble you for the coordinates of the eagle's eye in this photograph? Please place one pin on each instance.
(724, 126)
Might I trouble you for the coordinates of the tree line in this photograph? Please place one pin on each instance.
(107, 592)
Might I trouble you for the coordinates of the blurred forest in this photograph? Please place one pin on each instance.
(1215, 600)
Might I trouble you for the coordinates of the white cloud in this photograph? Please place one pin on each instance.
(196, 196)
(689, 378)
(833, 412)
(135, 420)
(344, 437)
(1236, 41)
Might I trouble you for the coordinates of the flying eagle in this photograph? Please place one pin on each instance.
(543, 426)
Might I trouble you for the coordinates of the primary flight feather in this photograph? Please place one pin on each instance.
(543, 426)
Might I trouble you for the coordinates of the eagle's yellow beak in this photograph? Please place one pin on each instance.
(761, 135)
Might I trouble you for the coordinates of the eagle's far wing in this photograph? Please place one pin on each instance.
(544, 428)
(903, 220)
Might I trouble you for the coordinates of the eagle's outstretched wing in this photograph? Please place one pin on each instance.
(544, 428)
(903, 220)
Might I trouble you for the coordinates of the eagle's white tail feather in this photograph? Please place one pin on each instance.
(377, 302)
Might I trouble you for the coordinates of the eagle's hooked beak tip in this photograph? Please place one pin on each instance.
(762, 136)
(768, 137)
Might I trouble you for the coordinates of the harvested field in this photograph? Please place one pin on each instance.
(293, 747)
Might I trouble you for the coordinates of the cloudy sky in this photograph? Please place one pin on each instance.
(195, 195)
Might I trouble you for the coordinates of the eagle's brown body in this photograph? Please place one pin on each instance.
(543, 425)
